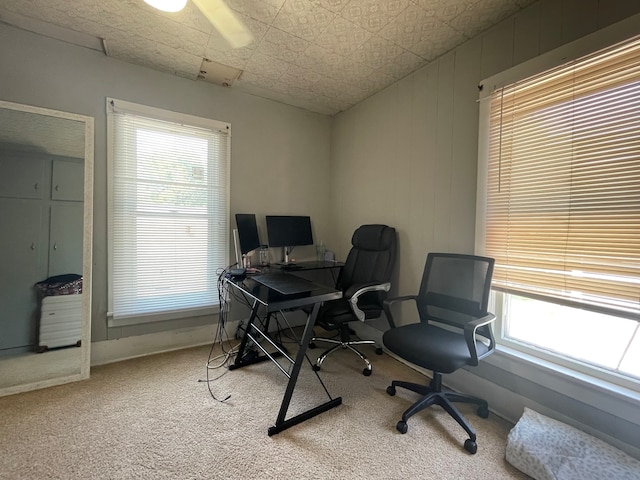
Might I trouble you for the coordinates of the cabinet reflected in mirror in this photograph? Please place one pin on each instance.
(46, 192)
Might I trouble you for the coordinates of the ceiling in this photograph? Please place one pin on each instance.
(321, 55)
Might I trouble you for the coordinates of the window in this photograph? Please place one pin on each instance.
(168, 212)
(562, 211)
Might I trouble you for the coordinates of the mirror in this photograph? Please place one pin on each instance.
(46, 209)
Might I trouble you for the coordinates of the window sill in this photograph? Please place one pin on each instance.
(160, 317)
(590, 390)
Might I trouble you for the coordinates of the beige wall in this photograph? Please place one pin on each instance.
(408, 157)
(278, 159)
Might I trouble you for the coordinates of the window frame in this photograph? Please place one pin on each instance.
(161, 115)
(523, 354)
(594, 373)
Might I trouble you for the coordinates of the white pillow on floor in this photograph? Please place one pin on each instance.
(547, 449)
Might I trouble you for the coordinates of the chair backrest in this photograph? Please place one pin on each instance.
(371, 259)
(455, 289)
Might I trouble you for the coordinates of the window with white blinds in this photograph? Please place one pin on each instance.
(168, 212)
(563, 198)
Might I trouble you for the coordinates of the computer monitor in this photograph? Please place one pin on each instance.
(289, 231)
(247, 232)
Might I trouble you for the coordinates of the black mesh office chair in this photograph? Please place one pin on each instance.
(454, 331)
(364, 281)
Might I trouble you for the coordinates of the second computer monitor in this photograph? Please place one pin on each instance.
(247, 232)
(289, 230)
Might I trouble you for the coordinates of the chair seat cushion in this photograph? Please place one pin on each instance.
(338, 311)
(430, 347)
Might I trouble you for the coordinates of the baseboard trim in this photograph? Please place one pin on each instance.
(503, 402)
(110, 351)
(125, 348)
(510, 406)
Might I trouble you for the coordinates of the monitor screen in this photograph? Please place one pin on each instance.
(289, 231)
(247, 232)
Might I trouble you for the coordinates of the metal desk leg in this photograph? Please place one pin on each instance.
(240, 361)
(282, 423)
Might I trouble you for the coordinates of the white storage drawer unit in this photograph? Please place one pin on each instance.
(60, 321)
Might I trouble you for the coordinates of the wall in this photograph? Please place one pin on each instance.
(279, 153)
(408, 157)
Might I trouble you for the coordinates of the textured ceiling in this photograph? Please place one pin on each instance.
(321, 55)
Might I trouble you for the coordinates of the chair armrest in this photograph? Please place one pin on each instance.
(353, 293)
(386, 306)
(470, 330)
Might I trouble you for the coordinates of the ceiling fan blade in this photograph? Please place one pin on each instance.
(167, 5)
(226, 22)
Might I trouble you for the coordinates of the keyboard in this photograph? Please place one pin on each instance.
(284, 284)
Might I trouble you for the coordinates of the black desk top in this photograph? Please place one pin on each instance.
(275, 301)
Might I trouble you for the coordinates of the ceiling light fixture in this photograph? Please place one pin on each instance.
(167, 5)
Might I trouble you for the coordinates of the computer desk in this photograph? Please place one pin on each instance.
(272, 301)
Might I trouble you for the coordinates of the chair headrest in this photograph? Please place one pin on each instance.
(373, 237)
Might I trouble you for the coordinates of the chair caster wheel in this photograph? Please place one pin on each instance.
(391, 390)
(402, 427)
(379, 351)
(366, 372)
(470, 446)
(483, 412)
(315, 368)
(312, 345)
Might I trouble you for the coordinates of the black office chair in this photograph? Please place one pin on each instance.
(364, 281)
(454, 331)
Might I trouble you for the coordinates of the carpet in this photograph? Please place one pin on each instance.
(154, 418)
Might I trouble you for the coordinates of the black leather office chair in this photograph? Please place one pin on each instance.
(454, 331)
(364, 281)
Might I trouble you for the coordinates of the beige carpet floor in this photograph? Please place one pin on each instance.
(151, 418)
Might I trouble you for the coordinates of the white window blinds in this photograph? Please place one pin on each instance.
(168, 226)
(563, 201)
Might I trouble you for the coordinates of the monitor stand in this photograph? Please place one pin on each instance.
(287, 264)
(287, 251)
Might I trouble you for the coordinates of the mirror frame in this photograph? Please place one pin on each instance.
(87, 248)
